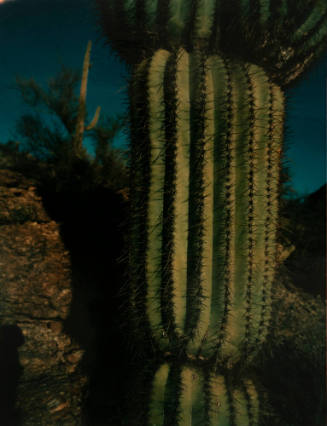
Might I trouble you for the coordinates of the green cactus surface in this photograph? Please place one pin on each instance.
(185, 395)
(206, 140)
(281, 36)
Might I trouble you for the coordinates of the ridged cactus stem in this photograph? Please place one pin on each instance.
(185, 395)
(207, 136)
(207, 124)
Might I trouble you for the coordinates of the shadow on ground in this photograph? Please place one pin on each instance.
(92, 227)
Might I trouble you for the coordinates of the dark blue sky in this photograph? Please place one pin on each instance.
(36, 36)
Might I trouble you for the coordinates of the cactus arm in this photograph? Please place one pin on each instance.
(305, 51)
(78, 137)
(85, 73)
(308, 36)
(156, 193)
(95, 119)
(311, 23)
(308, 41)
(77, 141)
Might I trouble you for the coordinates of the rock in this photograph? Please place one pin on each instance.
(43, 363)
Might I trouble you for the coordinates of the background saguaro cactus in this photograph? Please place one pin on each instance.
(77, 141)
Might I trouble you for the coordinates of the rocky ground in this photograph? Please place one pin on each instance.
(39, 361)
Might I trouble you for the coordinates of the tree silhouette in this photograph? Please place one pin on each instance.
(54, 131)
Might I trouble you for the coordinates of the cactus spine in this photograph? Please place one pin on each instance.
(212, 132)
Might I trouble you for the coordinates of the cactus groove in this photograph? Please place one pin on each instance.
(211, 133)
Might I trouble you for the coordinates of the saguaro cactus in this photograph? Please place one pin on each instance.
(208, 134)
(185, 395)
(207, 131)
(207, 113)
(80, 119)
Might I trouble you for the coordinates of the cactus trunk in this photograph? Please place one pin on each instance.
(204, 201)
(207, 124)
(184, 395)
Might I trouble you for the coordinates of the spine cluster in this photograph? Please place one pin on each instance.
(206, 215)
